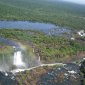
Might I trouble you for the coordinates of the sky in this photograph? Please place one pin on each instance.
(76, 1)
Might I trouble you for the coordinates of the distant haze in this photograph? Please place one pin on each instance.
(76, 1)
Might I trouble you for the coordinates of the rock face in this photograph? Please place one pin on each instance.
(67, 75)
(82, 73)
(7, 78)
(81, 33)
(46, 75)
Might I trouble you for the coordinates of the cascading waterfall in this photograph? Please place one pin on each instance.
(18, 59)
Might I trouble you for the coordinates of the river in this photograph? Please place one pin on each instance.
(45, 27)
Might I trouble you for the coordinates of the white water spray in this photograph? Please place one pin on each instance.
(18, 59)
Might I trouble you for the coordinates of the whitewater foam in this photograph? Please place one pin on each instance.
(18, 59)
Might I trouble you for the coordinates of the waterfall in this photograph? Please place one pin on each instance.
(18, 59)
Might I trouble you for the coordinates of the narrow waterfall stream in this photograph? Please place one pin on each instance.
(18, 59)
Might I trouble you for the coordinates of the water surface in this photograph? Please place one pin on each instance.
(46, 27)
(25, 25)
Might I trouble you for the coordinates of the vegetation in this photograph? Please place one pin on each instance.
(30, 77)
(49, 48)
(57, 12)
(5, 50)
(47, 75)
